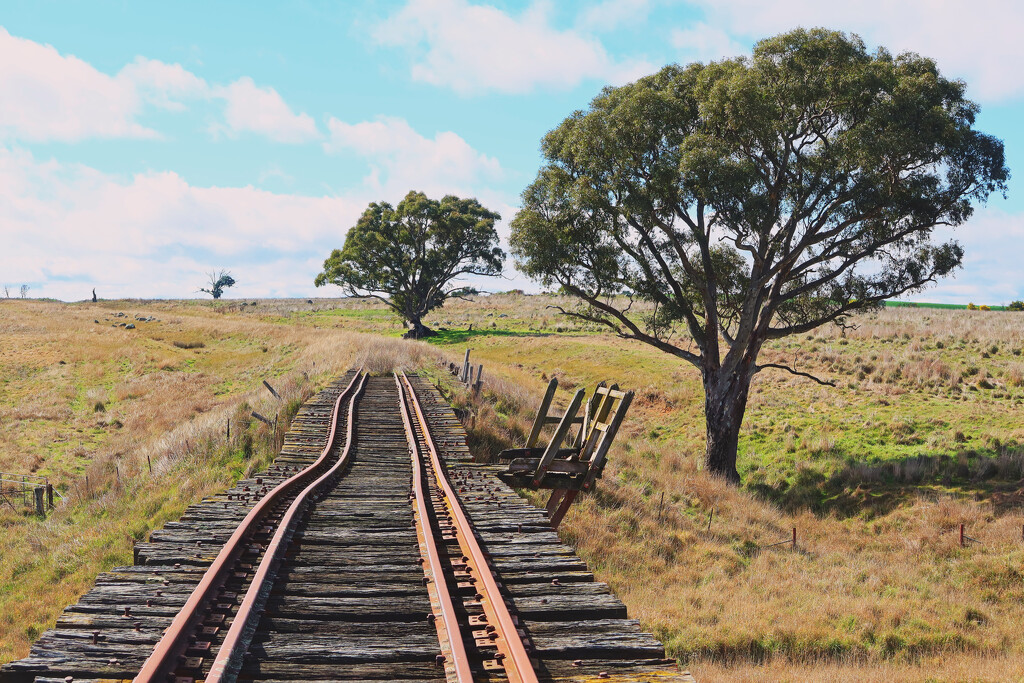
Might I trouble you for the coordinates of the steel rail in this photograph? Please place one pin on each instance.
(518, 666)
(236, 642)
(460, 660)
(164, 658)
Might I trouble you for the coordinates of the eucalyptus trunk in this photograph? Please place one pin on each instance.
(725, 402)
(417, 330)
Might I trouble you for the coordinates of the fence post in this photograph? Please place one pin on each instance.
(49, 495)
(229, 430)
(465, 367)
(40, 508)
(961, 535)
(794, 537)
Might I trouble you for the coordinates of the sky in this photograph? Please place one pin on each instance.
(143, 145)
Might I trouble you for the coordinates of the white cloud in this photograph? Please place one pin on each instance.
(979, 42)
(701, 42)
(479, 48)
(45, 95)
(993, 242)
(69, 228)
(613, 14)
(254, 109)
(403, 160)
(164, 85)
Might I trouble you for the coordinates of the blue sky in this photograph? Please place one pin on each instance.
(144, 144)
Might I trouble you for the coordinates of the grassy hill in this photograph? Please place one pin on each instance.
(923, 433)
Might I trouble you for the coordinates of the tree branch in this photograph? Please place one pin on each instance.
(780, 366)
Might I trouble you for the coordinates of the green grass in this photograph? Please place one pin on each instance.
(949, 307)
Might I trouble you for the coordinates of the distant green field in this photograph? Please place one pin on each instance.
(914, 304)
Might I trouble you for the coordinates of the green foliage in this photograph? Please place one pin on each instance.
(407, 255)
(812, 158)
(1016, 306)
(754, 198)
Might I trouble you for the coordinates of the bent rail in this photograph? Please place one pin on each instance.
(166, 652)
(516, 660)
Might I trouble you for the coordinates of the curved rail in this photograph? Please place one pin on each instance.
(517, 664)
(164, 658)
(460, 659)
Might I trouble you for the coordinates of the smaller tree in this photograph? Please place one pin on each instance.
(408, 255)
(1016, 306)
(24, 291)
(219, 281)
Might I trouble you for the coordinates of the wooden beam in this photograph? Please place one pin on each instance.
(556, 440)
(542, 413)
(597, 462)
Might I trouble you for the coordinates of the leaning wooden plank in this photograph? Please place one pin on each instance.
(556, 441)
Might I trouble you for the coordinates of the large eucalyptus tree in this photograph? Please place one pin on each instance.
(754, 198)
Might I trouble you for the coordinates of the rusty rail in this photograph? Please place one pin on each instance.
(161, 664)
(514, 657)
(449, 618)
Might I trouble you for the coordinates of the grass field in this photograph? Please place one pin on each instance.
(130, 425)
(923, 433)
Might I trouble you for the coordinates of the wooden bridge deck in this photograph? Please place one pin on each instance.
(350, 600)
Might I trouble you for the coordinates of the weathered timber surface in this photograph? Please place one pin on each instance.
(349, 603)
(576, 627)
(351, 598)
(127, 610)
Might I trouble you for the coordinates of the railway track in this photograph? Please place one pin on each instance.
(372, 549)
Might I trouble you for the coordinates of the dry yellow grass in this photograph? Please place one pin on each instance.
(878, 588)
(163, 406)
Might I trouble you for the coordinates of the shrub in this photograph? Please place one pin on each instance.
(1016, 306)
(971, 307)
(189, 344)
(985, 307)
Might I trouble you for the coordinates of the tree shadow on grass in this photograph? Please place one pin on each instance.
(873, 489)
(445, 336)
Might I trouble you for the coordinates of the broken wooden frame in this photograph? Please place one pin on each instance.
(569, 463)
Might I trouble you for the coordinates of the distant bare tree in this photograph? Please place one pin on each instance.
(24, 291)
(219, 281)
(7, 291)
(94, 295)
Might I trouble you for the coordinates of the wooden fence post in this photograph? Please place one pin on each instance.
(40, 507)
